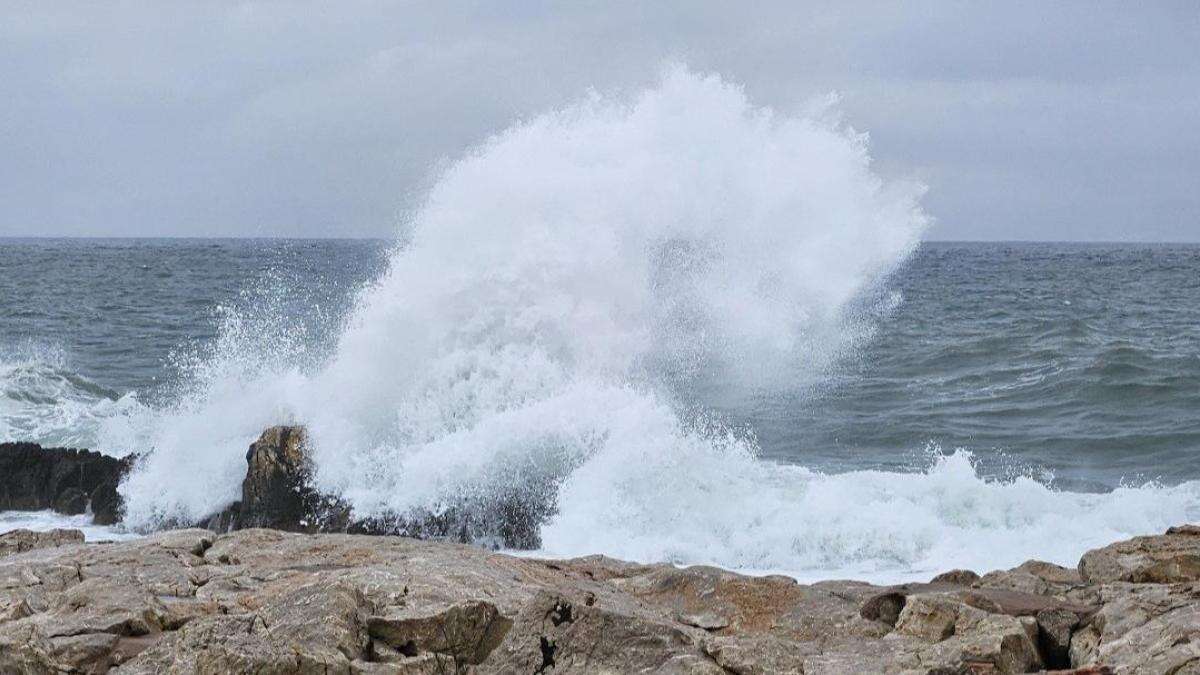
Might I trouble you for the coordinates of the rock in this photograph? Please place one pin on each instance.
(1142, 627)
(19, 541)
(277, 493)
(1055, 627)
(562, 634)
(34, 478)
(929, 617)
(885, 607)
(957, 577)
(221, 644)
(71, 502)
(465, 632)
(261, 600)
(107, 504)
(1036, 578)
(1169, 558)
(79, 652)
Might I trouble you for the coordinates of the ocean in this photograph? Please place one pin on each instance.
(675, 354)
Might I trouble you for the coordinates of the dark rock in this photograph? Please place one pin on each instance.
(1054, 636)
(33, 478)
(885, 607)
(107, 505)
(277, 493)
(71, 501)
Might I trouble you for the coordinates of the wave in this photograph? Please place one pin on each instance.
(43, 400)
(570, 304)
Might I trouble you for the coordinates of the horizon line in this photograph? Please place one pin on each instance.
(7, 237)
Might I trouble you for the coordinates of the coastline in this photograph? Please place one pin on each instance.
(288, 580)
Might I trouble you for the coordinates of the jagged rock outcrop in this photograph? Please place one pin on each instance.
(277, 492)
(68, 481)
(260, 600)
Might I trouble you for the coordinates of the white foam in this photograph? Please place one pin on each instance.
(42, 400)
(44, 521)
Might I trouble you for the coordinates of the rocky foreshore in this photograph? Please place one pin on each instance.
(266, 601)
(239, 598)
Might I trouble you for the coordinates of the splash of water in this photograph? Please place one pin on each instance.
(557, 283)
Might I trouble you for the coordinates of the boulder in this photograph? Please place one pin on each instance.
(1142, 627)
(1168, 558)
(277, 491)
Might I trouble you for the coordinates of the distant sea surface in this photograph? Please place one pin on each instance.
(1080, 360)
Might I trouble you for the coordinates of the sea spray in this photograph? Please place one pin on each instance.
(559, 284)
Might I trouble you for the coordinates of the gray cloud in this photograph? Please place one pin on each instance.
(1070, 120)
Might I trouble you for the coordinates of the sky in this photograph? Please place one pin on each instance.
(1027, 120)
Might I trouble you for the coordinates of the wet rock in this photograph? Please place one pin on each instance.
(1162, 559)
(107, 504)
(71, 502)
(33, 478)
(277, 493)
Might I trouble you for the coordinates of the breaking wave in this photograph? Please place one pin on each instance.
(568, 306)
(42, 399)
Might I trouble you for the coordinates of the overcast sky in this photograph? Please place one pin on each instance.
(1039, 120)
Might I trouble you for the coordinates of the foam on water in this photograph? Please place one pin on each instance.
(564, 291)
(43, 521)
(42, 399)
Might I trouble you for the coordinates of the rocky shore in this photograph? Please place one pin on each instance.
(266, 601)
(244, 598)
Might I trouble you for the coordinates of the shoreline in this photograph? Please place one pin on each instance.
(287, 580)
